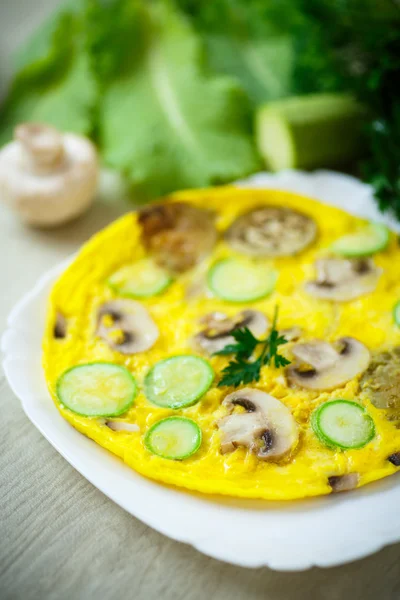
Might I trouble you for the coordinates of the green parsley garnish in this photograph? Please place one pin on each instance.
(244, 370)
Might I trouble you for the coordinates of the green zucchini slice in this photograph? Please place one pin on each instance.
(174, 438)
(343, 424)
(97, 389)
(239, 280)
(178, 381)
(370, 240)
(141, 279)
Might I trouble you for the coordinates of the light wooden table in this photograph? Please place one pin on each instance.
(60, 538)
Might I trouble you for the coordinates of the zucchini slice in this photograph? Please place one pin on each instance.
(178, 381)
(97, 389)
(373, 238)
(239, 280)
(174, 438)
(141, 279)
(343, 424)
(396, 313)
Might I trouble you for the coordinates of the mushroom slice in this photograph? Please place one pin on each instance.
(324, 366)
(267, 427)
(177, 234)
(217, 333)
(126, 326)
(60, 326)
(381, 382)
(342, 280)
(291, 334)
(271, 231)
(395, 459)
(344, 483)
(122, 426)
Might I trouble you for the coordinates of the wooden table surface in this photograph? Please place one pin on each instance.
(62, 539)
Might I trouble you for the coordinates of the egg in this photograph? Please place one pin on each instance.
(306, 471)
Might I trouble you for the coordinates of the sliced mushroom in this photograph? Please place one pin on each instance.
(271, 231)
(177, 234)
(291, 334)
(342, 280)
(381, 382)
(126, 326)
(324, 366)
(267, 427)
(122, 426)
(344, 483)
(60, 326)
(395, 459)
(218, 329)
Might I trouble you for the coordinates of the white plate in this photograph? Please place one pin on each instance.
(286, 536)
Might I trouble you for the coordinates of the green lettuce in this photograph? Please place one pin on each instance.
(271, 47)
(164, 121)
(54, 83)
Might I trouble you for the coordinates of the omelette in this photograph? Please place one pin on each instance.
(145, 322)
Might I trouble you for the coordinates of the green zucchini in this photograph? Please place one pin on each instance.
(371, 239)
(98, 389)
(305, 132)
(175, 438)
(140, 280)
(239, 280)
(343, 424)
(178, 381)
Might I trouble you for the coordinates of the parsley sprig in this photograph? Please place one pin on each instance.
(243, 369)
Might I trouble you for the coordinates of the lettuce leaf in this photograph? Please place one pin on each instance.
(272, 47)
(54, 83)
(164, 121)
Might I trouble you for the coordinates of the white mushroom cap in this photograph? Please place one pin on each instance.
(342, 280)
(323, 366)
(131, 329)
(267, 427)
(219, 327)
(46, 176)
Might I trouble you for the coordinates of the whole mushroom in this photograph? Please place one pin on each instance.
(46, 176)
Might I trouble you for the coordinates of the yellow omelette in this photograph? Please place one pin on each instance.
(177, 280)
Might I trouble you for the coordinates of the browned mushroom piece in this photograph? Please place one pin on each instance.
(218, 329)
(126, 326)
(395, 459)
(267, 427)
(60, 326)
(342, 280)
(344, 483)
(177, 234)
(271, 231)
(324, 366)
(381, 382)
